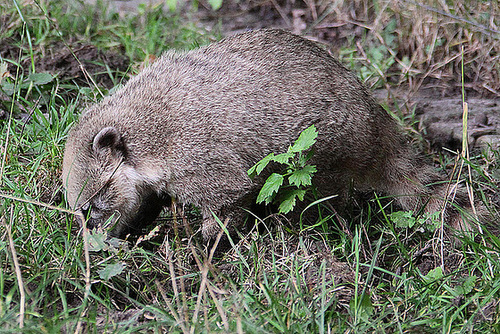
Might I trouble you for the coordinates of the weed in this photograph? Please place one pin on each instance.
(296, 170)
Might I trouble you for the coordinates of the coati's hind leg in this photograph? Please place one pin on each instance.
(224, 223)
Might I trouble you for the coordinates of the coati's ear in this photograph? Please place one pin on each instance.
(108, 138)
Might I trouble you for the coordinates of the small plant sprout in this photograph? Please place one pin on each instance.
(296, 172)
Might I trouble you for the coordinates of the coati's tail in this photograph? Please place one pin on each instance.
(417, 187)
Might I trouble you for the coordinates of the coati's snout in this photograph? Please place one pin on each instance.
(108, 190)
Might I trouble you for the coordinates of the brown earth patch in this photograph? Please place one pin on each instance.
(82, 62)
(442, 122)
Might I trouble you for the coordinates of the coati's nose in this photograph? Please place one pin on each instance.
(92, 223)
(87, 216)
(85, 210)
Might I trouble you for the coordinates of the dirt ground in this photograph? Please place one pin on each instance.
(441, 121)
(440, 118)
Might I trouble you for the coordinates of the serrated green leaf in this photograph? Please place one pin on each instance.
(259, 166)
(469, 284)
(377, 53)
(215, 4)
(270, 188)
(466, 287)
(289, 200)
(8, 88)
(116, 243)
(111, 270)
(303, 176)
(97, 241)
(303, 159)
(40, 78)
(287, 204)
(403, 218)
(283, 158)
(306, 139)
(252, 171)
(301, 193)
(362, 306)
(432, 220)
(433, 275)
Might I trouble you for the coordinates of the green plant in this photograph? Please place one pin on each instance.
(407, 219)
(295, 179)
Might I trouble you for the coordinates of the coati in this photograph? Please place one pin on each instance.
(191, 124)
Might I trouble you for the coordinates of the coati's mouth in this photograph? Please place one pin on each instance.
(85, 220)
(148, 211)
(120, 225)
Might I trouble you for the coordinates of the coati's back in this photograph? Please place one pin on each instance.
(254, 92)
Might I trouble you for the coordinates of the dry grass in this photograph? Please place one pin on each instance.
(423, 38)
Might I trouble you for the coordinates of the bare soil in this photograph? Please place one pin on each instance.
(440, 117)
(67, 63)
(442, 121)
(80, 64)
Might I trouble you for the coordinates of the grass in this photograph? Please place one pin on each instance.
(366, 273)
(415, 42)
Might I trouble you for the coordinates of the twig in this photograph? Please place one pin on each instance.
(199, 299)
(30, 114)
(17, 268)
(183, 295)
(86, 295)
(30, 201)
(169, 305)
(204, 282)
(173, 278)
(421, 251)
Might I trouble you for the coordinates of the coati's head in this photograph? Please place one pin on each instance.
(102, 183)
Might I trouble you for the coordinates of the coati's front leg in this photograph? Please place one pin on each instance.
(215, 219)
(232, 216)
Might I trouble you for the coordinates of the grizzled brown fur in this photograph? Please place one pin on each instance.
(190, 125)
